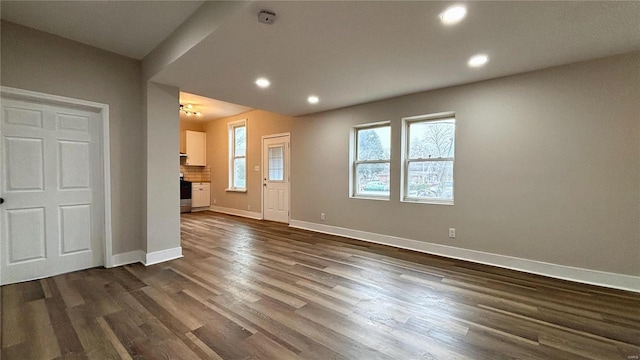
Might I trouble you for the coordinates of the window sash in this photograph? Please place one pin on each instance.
(355, 163)
(357, 140)
(441, 118)
(383, 194)
(233, 157)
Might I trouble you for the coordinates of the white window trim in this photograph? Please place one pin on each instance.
(353, 146)
(231, 140)
(404, 178)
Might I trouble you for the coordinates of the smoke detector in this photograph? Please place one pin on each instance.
(267, 17)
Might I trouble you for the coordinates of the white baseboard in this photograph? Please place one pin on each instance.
(593, 277)
(162, 256)
(243, 213)
(198, 209)
(147, 259)
(127, 258)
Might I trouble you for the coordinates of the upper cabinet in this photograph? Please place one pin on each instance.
(196, 148)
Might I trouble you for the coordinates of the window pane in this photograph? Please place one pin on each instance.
(276, 163)
(374, 143)
(430, 180)
(372, 179)
(239, 173)
(431, 140)
(240, 140)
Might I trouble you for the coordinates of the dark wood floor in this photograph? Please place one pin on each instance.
(248, 289)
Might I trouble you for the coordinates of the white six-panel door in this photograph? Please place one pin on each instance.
(51, 180)
(275, 153)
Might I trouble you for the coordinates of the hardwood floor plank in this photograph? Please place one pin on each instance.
(14, 329)
(223, 339)
(261, 347)
(113, 339)
(207, 350)
(40, 341)
(289, 338)
(68, 341)
(160, 313)
(69, 294)
(580, 346)
(321, 334)
(181, 313)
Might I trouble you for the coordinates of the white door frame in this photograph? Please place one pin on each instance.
(263, 175)
(103, 111)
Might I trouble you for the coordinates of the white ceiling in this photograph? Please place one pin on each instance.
(351, 52)
(210, 108)
(129, 28)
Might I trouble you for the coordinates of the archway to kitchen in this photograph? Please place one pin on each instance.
(221, 155)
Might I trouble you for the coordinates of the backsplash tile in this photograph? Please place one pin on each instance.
(196, 173)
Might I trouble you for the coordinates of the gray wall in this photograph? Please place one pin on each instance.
(39, 61)
(163, 168)
(547, 167)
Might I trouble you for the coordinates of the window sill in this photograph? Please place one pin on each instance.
(427, 202)
(236, 190)
(362, 197)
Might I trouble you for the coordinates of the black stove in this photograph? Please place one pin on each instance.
(185, 195)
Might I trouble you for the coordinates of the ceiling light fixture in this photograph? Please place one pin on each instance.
(478, 60)
(188, 110)
(263, 83)
(453, 14)
(313, 99)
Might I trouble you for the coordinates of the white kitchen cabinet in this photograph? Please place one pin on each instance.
(196, 148)
(200, 194)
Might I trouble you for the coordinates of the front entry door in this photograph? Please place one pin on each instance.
(275, 177)
(51, 221)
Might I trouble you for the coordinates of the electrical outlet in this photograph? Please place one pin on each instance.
(322, 216)
(214, 201)
(452, 233)
(248, 207)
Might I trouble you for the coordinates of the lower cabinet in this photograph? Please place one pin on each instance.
(200, 194)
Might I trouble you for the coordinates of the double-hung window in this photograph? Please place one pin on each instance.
(429, 148)
(370, 161)
(237, 156)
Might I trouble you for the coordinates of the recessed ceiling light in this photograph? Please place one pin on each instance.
(478, 60)
(263, 83)
(313, 99)
(453, 14)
